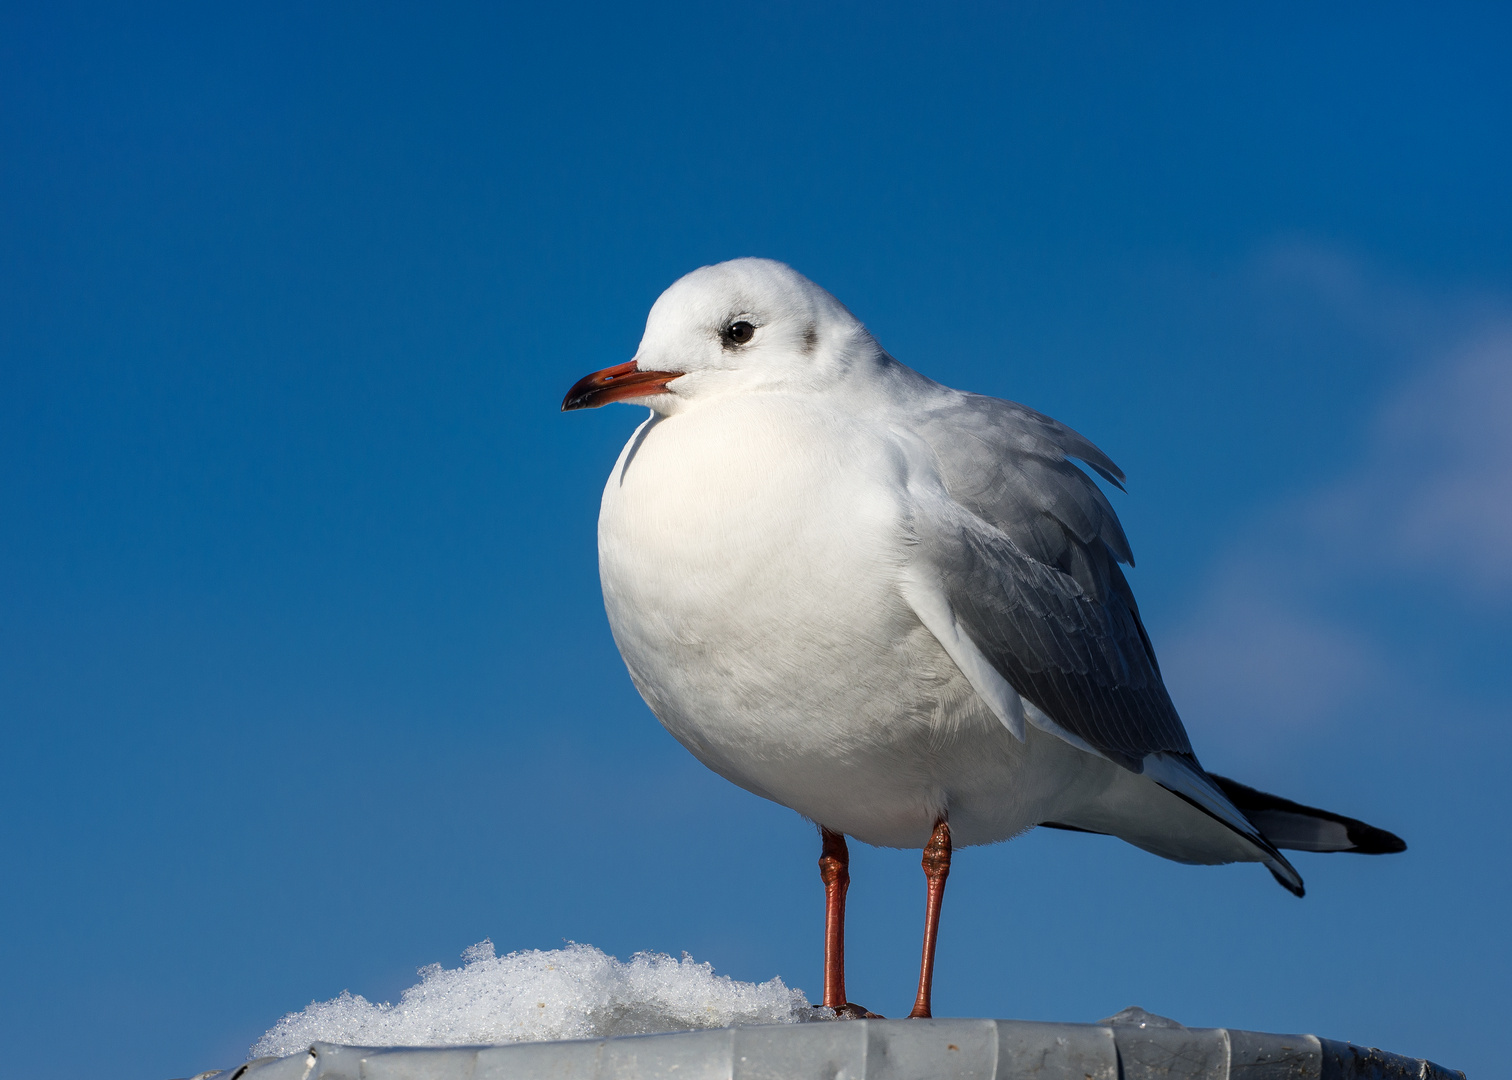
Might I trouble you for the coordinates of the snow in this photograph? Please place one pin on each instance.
(577, 992)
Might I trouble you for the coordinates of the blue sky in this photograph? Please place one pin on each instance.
(304, 676)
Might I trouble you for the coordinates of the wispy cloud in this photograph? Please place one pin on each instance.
(1426, 507)
(1253, 659)
(1435, 495)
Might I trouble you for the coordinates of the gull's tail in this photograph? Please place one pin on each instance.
(1154, 810)
(1268, 821)
(1295, 827)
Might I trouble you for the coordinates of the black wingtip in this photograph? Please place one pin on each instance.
(1369, 840)
(1298, 890)
(1276, 817)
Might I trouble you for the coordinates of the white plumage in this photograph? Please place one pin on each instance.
(883, 602)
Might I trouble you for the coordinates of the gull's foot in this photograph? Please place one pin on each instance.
(851, 1011)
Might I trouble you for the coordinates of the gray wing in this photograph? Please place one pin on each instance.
(1016, 572)
(1025, 549)
(1011, 466)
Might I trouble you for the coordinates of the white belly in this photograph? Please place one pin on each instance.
(750, 582)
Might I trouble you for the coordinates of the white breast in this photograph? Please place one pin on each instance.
(749, 551)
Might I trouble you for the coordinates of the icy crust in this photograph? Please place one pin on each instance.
(574, 993)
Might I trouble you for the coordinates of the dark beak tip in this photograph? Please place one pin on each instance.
(615, 384)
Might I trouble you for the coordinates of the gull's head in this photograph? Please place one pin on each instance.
(737, 326)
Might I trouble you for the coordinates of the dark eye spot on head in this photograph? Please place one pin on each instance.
(738, 333)
(810, 338)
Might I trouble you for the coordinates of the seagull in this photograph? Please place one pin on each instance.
(894, 607)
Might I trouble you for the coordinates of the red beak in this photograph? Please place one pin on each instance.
(615, 384)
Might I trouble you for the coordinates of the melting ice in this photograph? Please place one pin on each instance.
(577, 992)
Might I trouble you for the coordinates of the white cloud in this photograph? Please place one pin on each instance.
(1428, 503)
(1435, 497)
(1251, 660)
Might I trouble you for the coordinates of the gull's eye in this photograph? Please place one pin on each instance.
(740, 332)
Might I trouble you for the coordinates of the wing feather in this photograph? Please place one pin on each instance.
(1079, 658)
(1017, 555)
(1025, 549)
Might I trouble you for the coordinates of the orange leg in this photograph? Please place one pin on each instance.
(834, 871)
(936, 864)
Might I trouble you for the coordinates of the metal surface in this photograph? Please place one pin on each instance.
(1133, 1045)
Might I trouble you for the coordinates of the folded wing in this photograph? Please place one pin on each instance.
(1025, 550)
(1016, 572)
